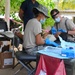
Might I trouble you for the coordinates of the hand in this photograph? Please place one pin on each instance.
(53, 30)
(49, 42)
(61, 30)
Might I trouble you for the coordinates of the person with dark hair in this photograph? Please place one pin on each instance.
(25, 12)
(63, 26)
(53, 11)
(32, 39)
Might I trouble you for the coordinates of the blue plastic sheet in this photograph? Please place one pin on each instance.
(65, 44)
(65, 51)
(53, 51)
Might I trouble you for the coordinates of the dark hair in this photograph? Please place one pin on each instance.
(52, 12)
(36, 12)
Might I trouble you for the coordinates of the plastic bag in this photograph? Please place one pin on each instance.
(50, 66)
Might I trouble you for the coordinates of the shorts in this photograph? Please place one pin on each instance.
(34, 50)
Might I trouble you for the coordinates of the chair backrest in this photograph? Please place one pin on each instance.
(17, 41)
(3, 25)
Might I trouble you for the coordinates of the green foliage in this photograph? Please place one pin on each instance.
(16, 17)
(66, 5)
(2, 7)
(61, 4)
(50, 5)
(15, 6)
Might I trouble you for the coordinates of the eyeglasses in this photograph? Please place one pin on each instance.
(53, 16)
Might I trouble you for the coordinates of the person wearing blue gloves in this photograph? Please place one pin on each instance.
(55, 31)
(49, 42)
(59, 32)
(63, 26)
(32, 39)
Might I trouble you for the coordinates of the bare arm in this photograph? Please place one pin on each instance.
(19, 35)
(71, 32)
(39, 40)
(21, 14)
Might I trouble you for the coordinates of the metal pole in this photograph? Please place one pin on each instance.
(7, 13)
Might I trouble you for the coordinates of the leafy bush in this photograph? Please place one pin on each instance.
(50, 5)
(15, 6)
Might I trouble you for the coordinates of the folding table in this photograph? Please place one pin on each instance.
(51, 62)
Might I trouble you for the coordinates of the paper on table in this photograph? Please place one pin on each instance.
(51, 37)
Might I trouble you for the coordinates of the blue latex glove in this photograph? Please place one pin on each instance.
(61, 30)
(53, 30)
(49, 42)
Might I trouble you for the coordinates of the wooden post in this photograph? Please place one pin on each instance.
(7, 13)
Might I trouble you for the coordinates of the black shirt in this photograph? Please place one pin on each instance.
(27, 7)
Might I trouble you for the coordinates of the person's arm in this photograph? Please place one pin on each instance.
(71, 27)
(21, 14)
(71, 32)
(23, 8)
(19, 35)
(39, 40)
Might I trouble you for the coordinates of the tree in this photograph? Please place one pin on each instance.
(50, 5)
(66, 4)
(15, 5)
(2, 7)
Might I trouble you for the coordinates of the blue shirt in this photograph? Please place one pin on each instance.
(27, 7)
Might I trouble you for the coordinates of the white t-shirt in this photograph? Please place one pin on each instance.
(32, 29)
(67, 25)
(70, 25)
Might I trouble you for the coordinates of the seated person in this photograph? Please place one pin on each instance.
(32, 39)
(62, 24)
(47, 34)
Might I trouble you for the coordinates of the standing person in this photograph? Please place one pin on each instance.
(25, 12)
(62, 24)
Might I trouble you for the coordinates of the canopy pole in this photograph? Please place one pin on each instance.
(7, 13)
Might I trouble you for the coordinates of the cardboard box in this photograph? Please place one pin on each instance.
(4, 46)
(6, 60)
